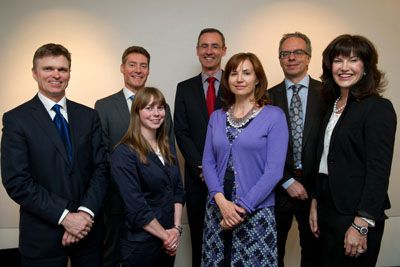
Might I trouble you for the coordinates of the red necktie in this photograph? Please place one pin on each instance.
(210, 99)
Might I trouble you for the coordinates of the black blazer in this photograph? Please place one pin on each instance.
(149, 191)
(360, 157)
(114, 115)
(191, 120)
(315, 112)
(38, 176)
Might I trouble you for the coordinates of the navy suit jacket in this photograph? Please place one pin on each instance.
(114, 115)
(315, 111)
(38, 176)
(149, 191)
(191, 120)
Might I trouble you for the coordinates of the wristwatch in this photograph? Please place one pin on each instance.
(361, 229)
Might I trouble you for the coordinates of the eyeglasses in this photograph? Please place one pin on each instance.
(296, 53)
(212, 46)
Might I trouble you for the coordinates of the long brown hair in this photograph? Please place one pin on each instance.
(260, 92)
(133, 136)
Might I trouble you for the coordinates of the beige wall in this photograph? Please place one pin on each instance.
(97, 32)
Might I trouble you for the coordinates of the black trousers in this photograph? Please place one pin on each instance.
(149, 253)
(333, 226)
(310, 246)
(196, 196)
(87, 253)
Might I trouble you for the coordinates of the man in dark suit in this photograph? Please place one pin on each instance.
(191, 119)
(55, 170)
(292, 193)
(114, 112)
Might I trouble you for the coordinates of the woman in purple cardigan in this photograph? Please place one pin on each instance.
(243, 160)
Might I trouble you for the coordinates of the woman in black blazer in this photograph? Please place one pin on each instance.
(355, 152)
(147, 176)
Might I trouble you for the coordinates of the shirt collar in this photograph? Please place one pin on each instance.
(127, 93)
(304, 82)
(217, 75)
(48, 103)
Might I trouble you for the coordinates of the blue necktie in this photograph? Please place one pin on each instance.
(63, 129)
(296, 124)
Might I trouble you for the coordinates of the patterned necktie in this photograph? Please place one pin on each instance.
(210, 99)
(63, 130)
(296, 124)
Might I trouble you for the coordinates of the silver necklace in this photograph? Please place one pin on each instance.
(340, 109)
(240, 122)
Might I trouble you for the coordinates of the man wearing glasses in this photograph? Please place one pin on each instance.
(299, 96)
(195, 100)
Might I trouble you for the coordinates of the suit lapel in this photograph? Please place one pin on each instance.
(121, 107)
(309, 120)
(43, 119)
(156, 160)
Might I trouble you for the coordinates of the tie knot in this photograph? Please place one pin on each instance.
(296, 88)
(132, 97)
(211, 80)
(56, 108)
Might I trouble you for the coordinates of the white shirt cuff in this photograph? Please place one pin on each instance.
(370, 222)
(288, 183)
(86, 210)
(65, 212)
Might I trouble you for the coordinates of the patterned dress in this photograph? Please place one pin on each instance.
(253, 242)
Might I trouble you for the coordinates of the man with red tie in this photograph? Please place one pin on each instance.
(195, 100)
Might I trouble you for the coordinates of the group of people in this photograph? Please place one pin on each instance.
(103, 188)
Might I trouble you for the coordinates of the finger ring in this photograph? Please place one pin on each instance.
(360, 250)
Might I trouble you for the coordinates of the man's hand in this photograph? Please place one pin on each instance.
(201, 173)
(77, 224)
(297, 190)
(313, 218)
(68, 239)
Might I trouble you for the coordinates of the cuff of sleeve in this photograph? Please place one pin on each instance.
(371, 223)
(288, 183)
(65, 212)
(81, 208)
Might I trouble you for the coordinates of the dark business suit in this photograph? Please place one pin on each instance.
(114, 115)
(38, 176)
(359, 162)
(149, 191)
(286, 206)
(191, 119)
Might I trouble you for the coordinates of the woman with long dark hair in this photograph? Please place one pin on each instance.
(355, 155)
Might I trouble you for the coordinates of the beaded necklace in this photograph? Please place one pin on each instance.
(340, 109)
(240, 122)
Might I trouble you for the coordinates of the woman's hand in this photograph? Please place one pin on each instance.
(355, 243)
(172, 243)
(231, 213)
(313, 218)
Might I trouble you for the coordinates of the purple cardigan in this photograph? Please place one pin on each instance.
(259, 154)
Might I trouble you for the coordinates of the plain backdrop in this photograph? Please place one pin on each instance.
(97, 31)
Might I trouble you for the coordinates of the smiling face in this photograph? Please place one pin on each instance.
(243, 80)
(294, 66)
(210, 50)
(151, 116)
(135, 71)
(347, 71)
(52, 73)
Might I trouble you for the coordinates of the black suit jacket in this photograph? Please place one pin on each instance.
(38, 176)
(114, 115)
(149, 191)
(315, 112)
(360, 157)
(191, 120)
